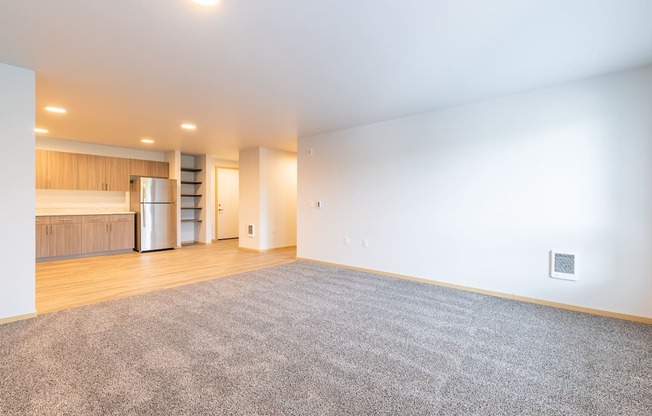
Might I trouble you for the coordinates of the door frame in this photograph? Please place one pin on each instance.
(217, 196)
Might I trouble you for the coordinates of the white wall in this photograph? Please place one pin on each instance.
(249, 190)
(60, 145)
(56, 201)
(267, 189)
(478, 195)
(17, 285)
(173, 157)
(278, 199)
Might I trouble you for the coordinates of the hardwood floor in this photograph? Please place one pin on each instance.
(64, 284)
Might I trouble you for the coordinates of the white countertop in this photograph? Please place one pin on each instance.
(51, 212)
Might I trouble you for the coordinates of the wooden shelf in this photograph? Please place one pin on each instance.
(191, 195)
(190, 207)
(195, 170)
(190, 220)
(191, 183)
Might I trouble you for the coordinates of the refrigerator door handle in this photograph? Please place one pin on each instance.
(142, 217)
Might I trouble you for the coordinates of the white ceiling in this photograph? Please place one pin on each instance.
(262, 73)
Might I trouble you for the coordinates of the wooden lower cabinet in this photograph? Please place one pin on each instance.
(42, 241)
(95, 234)
(107, 233)
(122, 232)
(59, 236)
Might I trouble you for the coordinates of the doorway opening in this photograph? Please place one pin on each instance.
(227, 198)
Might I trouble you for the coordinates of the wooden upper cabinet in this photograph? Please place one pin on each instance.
(56, 170)
(91, 173)
(61, 170)
(101, 173)
(116, 171)
(148, 168)
(161, 169)
(72, 171)
(42, 176)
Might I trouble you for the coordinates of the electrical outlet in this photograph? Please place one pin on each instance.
(365, 243)
(319, 204)
(347, 241)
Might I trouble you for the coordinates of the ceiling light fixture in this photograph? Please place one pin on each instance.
(207, 2)
(56, 109)
(39, 130)
(188, 126)
(148, 141)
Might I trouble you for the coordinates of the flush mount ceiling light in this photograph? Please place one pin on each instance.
(189, 126)
(148, 141)
(207, 2)
(55, 109)
(42, 131)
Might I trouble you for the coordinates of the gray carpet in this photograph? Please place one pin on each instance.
(307, 339)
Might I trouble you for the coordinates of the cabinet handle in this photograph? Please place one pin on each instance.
(46, 230)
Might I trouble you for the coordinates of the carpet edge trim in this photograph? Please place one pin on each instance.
(17, 318)
(574, 308)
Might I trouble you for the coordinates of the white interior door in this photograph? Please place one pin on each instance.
(227, 203)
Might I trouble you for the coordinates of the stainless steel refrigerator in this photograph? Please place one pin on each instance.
(154, 201)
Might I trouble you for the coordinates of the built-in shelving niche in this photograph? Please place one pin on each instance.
(193, 203)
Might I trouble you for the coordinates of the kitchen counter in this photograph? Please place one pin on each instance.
(58, 212)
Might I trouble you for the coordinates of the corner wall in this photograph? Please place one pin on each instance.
(17, 280)
(268, 193)
(478, 195)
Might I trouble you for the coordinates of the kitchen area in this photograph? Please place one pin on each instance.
(96, 204)
(90, 207)
(83, 206)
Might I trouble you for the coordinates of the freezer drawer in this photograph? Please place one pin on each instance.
(156, 226)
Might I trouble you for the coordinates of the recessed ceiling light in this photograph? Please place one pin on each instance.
(38, 130)
(207, 2)
(188, 126)
(56, 109)
(149, 141)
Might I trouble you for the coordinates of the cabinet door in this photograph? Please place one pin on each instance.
(91, 173)
(65, 239)
(160, 169)
(61, 170)
(149, 168)
(117, 174)
(122, 234)
(95, 237)
(42, 169)
(42, 240)
(139, 167)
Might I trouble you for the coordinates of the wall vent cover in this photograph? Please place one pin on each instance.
(250, 231)
(563, 265)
